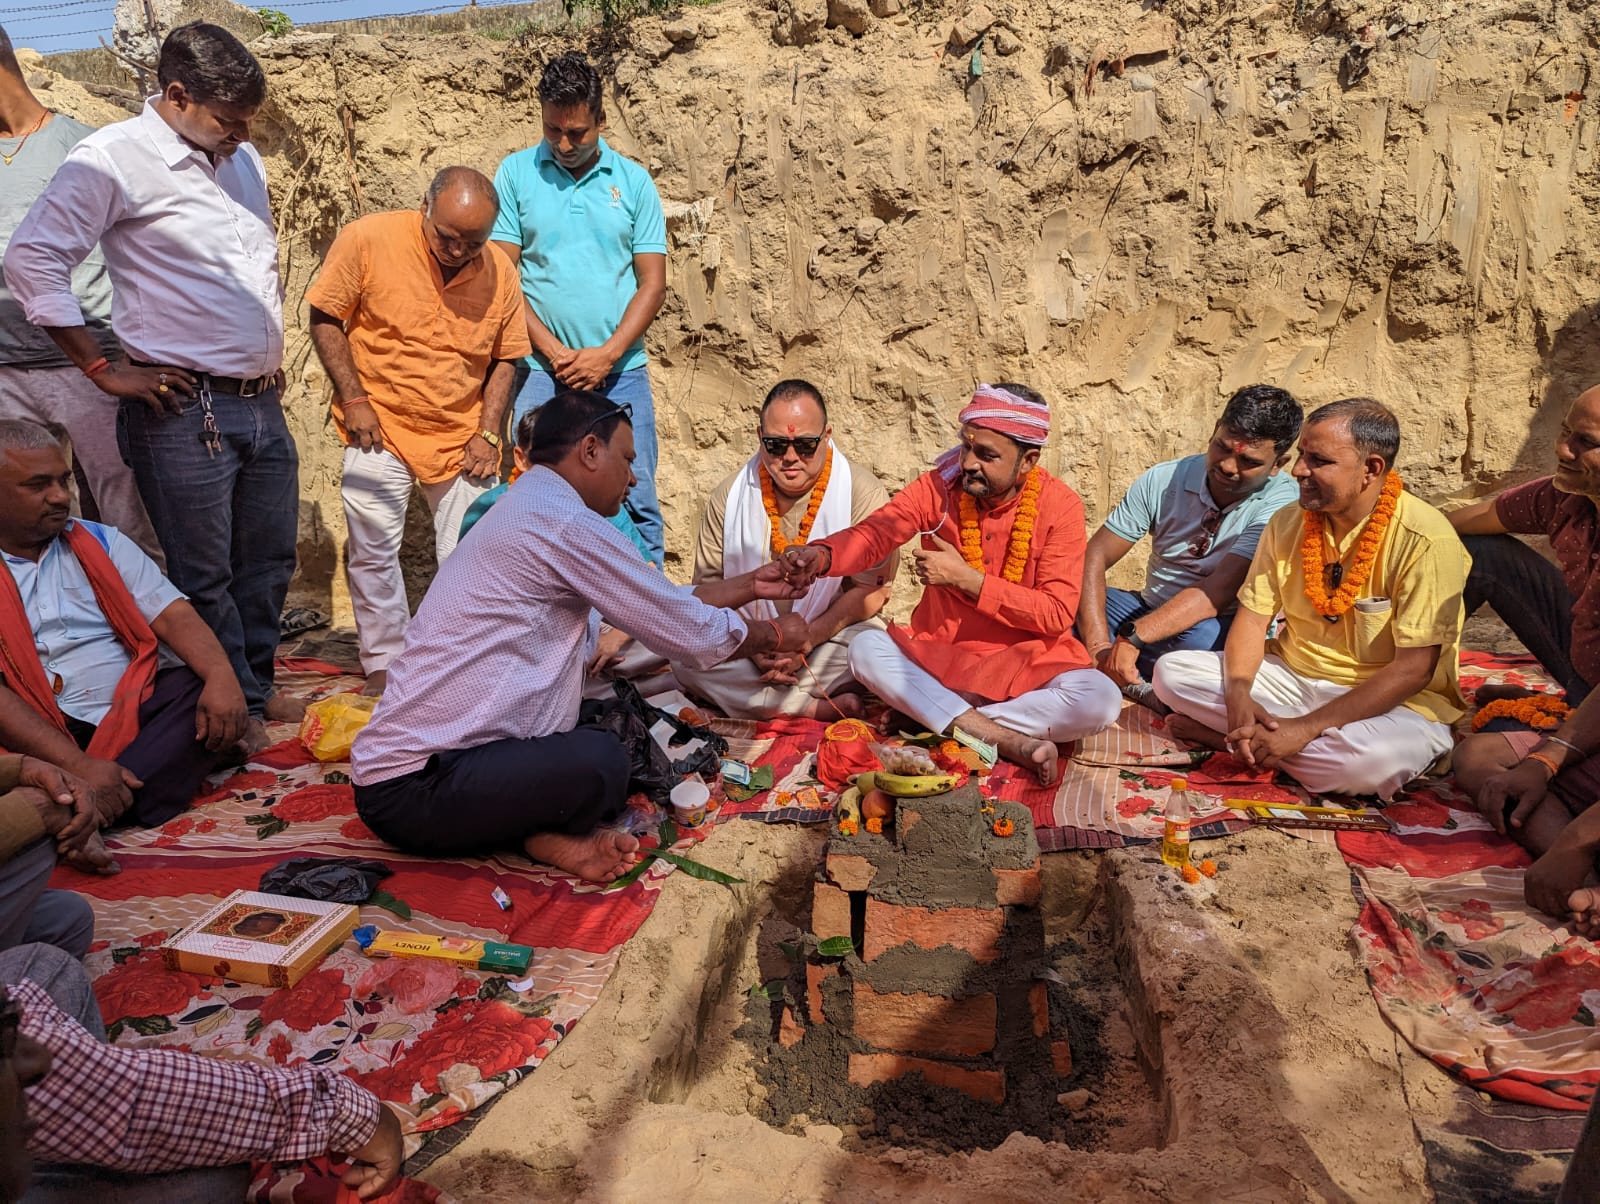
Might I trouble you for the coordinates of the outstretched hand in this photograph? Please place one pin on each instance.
(804, 564)
(772, 582)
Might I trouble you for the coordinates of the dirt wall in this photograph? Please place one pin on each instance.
(1136, 208)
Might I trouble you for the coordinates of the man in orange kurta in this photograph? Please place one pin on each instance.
(418, 321)
(990, 649)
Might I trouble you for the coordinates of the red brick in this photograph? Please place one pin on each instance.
(1039, 1005)
(931, 1024)
(1061, 1058)
(986, 1085)
(850, 871)
(1019, 888)
(976, 930)
(790, 1030)
(830, 912)
(815, 976)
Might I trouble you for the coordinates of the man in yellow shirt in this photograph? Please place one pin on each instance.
(1356, 692)
(418, 321)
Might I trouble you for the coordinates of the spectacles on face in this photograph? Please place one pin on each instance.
(618, 407)
(1201, 543)
(805, 445)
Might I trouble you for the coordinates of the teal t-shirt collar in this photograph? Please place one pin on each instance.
(606, 162)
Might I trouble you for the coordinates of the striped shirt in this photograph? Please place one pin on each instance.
(497, 648)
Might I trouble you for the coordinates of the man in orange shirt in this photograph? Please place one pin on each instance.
(418, 321)
(990, 649)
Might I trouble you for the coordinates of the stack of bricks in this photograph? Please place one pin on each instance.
(948, 939)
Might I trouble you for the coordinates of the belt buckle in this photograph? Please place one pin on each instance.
(252, 387)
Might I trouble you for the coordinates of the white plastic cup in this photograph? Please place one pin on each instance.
(689, 799)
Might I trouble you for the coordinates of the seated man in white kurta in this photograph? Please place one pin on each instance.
(797, 487)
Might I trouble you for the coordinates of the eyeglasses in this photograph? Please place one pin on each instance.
(1201, 543)
(806, 445)
(618, 407)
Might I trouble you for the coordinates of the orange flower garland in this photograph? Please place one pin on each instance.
(1021, 530)
(1315, 570)
(1542, 712)
(769, 499)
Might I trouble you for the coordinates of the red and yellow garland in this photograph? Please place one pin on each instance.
(1021, 529)
(769, 499)
(1315, 569)
(1541, 712)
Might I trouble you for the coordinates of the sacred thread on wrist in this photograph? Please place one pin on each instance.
(95, 369)
(777, 635)
(1548, 762)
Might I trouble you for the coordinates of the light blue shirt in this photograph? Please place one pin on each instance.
(1171, 503)
(72, 636)
(578, 240)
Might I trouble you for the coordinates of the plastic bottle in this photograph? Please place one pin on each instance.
(1175, 829)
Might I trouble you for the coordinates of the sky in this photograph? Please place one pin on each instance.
(78, 24)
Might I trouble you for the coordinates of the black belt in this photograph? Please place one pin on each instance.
(233, 386)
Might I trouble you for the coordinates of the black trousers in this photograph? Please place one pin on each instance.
(165, 756)
(1531, 597)
(477, 800)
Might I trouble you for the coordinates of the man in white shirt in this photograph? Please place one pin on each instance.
(476, 743)
(177, 200)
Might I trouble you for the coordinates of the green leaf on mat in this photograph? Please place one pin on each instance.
(383, 899)
(634, 874)
(149, 1026)
(836, 946)
(696, 870)
(266, 826)
(790, 951)
(667, 834)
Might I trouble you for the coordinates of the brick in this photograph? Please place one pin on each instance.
(929, 1024)
(790, 1030)
(815, 976)
(988, 1086)
(973, 929)
(1019, 888)
(830, 912)
(1039, 1005)
(1061, 1058)
(850, 871)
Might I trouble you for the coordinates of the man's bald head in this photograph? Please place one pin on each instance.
(458, 213)
(1578, 447)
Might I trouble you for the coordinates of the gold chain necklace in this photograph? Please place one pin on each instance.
(37, 125)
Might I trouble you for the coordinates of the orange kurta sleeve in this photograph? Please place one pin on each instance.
(915, 508)
(1050, 605)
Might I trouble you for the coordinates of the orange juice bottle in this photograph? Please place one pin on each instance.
(1175, 830)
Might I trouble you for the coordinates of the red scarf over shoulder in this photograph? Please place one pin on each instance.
(19, 655)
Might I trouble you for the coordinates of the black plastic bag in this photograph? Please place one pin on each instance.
(330, 879)
(652, 772)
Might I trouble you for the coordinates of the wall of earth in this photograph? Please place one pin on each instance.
(1134, 207)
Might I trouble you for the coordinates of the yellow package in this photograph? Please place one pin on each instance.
(330, 726)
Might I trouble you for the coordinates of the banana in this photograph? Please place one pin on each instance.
(849, 805)
(915, 785)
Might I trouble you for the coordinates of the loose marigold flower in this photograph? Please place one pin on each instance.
(1208, 867)
(875, 826)
(1004, 826)
(1191, 875)
(847, 827)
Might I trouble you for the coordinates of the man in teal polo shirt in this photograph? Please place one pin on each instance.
(1204, 515)
(585, 225)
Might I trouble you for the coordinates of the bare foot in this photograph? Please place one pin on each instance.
(1184, 728)
(1041, 756)
(93, 858)
(839, 706)
(601, 856)
(1494, 693)
(284, 708)
(255, 738)
(376, 680)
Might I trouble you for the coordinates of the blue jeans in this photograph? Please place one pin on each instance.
(632, 389)
(1208, 635)
(229, 521)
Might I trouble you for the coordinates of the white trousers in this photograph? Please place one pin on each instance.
(68, 397)
(1068, 707)
(376, 490)
(1371, 756)
(736, 686)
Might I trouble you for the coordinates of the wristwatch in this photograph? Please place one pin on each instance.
(1127, 631)
(489, 437)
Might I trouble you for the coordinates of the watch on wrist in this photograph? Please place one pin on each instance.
(1127, 631)
(489, 437)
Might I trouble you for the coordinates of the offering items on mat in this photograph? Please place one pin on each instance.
(1303, 815)
(273, 940)
(331, 725)
(330, 879)
(485, 955)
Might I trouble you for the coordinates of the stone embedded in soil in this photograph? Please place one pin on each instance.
(975, 931)
(912, 1022)
(970, 24)
(1074, 1101)
(853, 15)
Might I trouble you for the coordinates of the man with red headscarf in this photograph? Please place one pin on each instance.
(990, 649)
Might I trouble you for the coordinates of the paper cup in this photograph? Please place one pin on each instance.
(689, 798)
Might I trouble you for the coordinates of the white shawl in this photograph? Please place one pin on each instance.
(747, 534)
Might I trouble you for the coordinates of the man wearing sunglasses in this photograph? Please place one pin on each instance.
(1203, 514)
(797, 487)
(418, 322)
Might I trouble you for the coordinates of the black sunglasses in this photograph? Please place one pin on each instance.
(806, 445)
(1201, 543)
(622, 408)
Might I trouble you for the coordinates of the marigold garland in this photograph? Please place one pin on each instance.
(1021, 529)
(769, 499)
(1315, 570)
(1542, 712)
